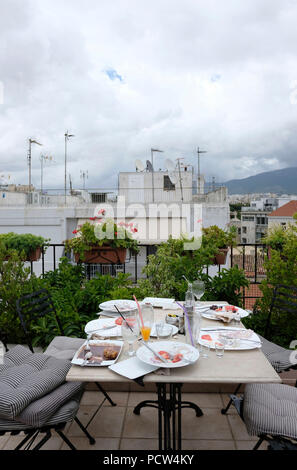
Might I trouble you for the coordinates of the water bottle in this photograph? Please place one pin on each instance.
(190, 307)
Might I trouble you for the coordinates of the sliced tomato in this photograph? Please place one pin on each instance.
(164, 354)
(177, 358)
(219, 309)
(119, 321)
(206, 337)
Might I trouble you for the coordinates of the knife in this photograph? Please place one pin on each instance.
(154, 352)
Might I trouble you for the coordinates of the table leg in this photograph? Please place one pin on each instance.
(169, 427)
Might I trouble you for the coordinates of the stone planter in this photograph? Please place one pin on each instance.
(103, 255)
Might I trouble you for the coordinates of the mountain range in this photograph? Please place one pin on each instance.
(282, 181)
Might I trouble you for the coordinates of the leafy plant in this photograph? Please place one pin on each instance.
(218, 237)
(22, 243)
(281, 268)
(103, 233)
(226, 285)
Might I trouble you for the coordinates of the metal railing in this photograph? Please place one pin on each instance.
(249, 257)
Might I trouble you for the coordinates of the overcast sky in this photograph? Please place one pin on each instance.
(128, 75)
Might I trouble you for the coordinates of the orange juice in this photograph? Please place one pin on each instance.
(146, 332)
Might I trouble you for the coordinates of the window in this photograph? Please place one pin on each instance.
(98, 197)
(167, 184)
(244, 240)
(248, 218)
(243, 229)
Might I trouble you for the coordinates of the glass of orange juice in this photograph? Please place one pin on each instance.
(148, 320)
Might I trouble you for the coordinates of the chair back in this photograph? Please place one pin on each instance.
(33, 306)
(284, 300)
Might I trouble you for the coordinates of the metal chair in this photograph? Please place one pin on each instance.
(38, 304)
(269, 411)
(37, 400)
(284, 300)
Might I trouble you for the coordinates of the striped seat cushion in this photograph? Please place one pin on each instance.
(270, 409)
(279, 357)
(64, 414)
(63, 347)
(26, 377)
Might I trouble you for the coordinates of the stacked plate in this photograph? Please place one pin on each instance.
(124, 306)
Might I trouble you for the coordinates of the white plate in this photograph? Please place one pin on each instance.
(154, 332)
(189, 352)
(97, 326)
(132, 368)
(239, 345)
(210, 314)
(124, 306)
(79, 362)
(159, 302)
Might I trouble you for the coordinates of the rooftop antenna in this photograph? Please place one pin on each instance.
(84, 175)
(139, 165)
(67, 137)
(198, 153)
(180, 177)
(152, 162)
(43, 160)
(31, 141)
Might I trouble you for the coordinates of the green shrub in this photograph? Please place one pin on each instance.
(22, 243)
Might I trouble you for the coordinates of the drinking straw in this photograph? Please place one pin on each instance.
(124, 318)
(189, 326)
(139, 310)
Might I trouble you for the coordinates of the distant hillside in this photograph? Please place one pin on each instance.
(278, 181)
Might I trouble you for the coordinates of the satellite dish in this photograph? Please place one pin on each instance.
(173, 178)
(139, 165)
(149, 166)
(169, 165)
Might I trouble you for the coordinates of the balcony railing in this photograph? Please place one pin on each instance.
(249, 257)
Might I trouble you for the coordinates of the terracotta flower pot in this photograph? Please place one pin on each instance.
(103, 255)
(221, 256)
(34, 255)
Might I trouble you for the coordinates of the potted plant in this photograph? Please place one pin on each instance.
(219, 240)
(102, 242)
(27, 244)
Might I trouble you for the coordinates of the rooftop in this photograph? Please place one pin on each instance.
(287, 210)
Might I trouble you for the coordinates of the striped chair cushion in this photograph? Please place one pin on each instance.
(280, 358)
(63, 347)
(270, 409)
(25, 377)
(64, 414)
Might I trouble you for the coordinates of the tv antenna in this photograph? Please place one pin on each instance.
(152, 170)
(180, 177)
(31, 141)
(84, 175)
(43, 160)
(198, 154)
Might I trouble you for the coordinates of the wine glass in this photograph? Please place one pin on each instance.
(147, 313)
(198, 289)
(130, 331)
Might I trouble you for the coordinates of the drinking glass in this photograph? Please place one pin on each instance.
(198, 289)
(163, 330)
(130, 331)
(220, 349)
(147, 313)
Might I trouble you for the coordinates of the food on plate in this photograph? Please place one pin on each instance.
(206, 337)
(119, 321)
(213, 307)
(231, 308)
(240, 334)
(110, 354)
(96, 353)
(177, 358)
(225, 316)
(169, 357)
